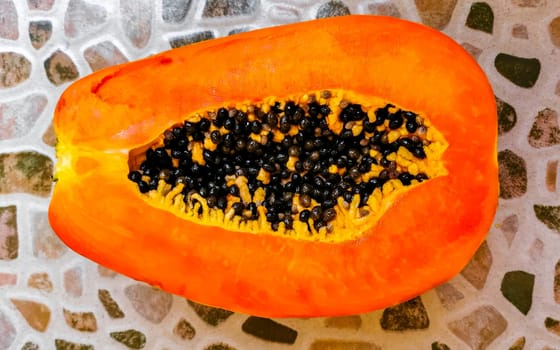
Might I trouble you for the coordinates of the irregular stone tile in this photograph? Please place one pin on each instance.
(435, 13)
(183, 40)
(517, 288)
(448, 295)
(102, 55)
(481, 17)
(83, 17)
(342, 345)
(9, 241)
(536, 250)
(548, 215)
(184, 330)
(480, 328)
(267, 329)
(60, 68)
(472, 50)
(219, 346)
(46, 244)
(512, 174)
(81, 321)
(211, 315)
(18, 116)
(518, 345)
(408, 315)
(40, 281)
(36, 314)
(507, 117)
(383, 8)
(29, 346)
(29, 172)
(529, 3)
(439, 346)
(551, 175)
(519, 31)
(39, 33)
(7, 330)
(9, 22)
(477, 269)
(14, 69)
(554, 31)
(109, 304)
(238, 30)
(175, 11)
(61, 344)
(556, 287)
(105, 272)
(132, 338)
(344, 322)
(151, 303)
(333, 8)
(43, 5)
(136, 20)
(545, 131)
(509, 228)
(284, 14)
(7, 279)
(523, 72)
(220, 8)
(49, 137)
(73, 284)
(552, 325)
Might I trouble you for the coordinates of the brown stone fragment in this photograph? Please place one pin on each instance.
(36, 314)
(14, 69)
(551, 175)
(449, 295)
(477, 269)
(344, 322)
(60, 68)
(545, 131)
(41, 281)
(479, 328)
(81, 321)
(435, 13)
(184, 330)
(28, 172)
(342, 345)
(9, 241)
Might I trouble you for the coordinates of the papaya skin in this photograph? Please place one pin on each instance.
(425, 238)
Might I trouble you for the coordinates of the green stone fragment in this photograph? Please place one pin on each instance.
(523, 72)
(517, 288)
(548, 215)
(211, 315)
(131, 338)
(481, 17)
(61, 344)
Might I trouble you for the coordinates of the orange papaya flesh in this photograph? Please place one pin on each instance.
(409, 235)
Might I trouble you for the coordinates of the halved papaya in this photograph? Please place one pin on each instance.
(329, 167)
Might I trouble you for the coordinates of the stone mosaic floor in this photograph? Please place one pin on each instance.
(508, 297)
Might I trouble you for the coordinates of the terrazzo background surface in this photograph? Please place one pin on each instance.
(508, 297)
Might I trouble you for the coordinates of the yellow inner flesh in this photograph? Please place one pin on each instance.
(351, 221)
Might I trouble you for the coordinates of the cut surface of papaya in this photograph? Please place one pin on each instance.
(329, 167)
